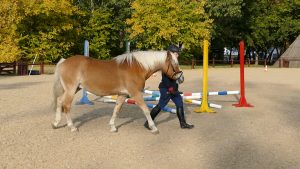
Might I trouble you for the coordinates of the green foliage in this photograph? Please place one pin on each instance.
(9, 18)
(155, 24)
(100, 32)
(104, 26)
(57, 28)
(273, 24)
(48, 29)
(225, 8)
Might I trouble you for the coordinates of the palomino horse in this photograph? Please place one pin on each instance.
(124, 75)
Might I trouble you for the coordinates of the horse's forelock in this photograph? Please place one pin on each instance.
(174, 57)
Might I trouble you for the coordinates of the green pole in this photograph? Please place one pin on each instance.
(127, 47)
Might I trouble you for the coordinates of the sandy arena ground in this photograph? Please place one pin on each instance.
(266, 136)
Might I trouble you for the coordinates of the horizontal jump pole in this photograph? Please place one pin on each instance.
(153, 96)
(113, 100)
(151, 92)
(200, 102)
(90, 93)
(196, 94)
(212, 93)
(192, 97)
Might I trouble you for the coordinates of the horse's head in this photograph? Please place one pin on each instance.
(171, 68)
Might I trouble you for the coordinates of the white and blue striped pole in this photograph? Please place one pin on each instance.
(151, 92)
(113, 100)
(151, 98)
(212, 93)
(84, 99)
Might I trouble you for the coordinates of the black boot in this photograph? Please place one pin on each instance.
(180, 115)
(153, 114)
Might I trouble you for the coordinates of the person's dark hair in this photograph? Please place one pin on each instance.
(174, 48)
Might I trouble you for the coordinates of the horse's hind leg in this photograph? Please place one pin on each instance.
(119, 103)
(67, 105)
(60, 100)
(141, 103)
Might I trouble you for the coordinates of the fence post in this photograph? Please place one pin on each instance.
(14, 69)
(248, 62)
(22, 68)
(213, 62)
(42, 67)
(192, 63)
(265, 62)
(231, 62)
(279, 63)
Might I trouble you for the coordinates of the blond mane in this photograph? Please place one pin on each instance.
(149, 60)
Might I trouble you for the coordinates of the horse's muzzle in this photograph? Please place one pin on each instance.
(179, 77)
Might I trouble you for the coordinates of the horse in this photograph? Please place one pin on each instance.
(124, 75)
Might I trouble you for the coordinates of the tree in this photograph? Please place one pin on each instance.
(9, 18)
(48, 29)
(227, 25)
(155, 24)
(104, 26)
(100, 31)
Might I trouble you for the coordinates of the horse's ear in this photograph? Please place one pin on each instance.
(169, 54)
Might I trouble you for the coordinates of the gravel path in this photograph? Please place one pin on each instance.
(265, 136)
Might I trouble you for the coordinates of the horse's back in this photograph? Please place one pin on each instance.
(102, 77)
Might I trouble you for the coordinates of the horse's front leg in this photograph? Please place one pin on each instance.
(119, 103)
(141, 103)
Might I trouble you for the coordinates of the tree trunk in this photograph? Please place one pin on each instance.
(256, 59)
(265, 54)
(92, 8)
(278, 54)
(270, 54)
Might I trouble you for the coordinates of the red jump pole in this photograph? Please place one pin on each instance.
(242, 102)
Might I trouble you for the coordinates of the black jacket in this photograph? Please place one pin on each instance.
(167, 82)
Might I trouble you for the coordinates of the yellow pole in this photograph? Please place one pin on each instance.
(204, 105)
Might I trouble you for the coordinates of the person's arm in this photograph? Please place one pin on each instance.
(168, 83)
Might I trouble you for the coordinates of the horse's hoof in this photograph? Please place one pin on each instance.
(54, 126)
(113, 130)
(155, 132)
(74, 129)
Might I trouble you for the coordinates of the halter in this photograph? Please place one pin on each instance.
(175, 73)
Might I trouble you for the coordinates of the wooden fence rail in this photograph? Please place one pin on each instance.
(10, 68)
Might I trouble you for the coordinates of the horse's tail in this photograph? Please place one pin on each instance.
(58, 89)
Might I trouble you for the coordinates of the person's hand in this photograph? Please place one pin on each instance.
(172, 92)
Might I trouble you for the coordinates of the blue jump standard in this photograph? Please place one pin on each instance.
(84, 100)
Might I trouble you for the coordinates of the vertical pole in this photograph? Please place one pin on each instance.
(279, 63)
(248, 62)
(265, 63)
(242, 102)
(42, 67)
(213, 62)
(231, 62)
(193, 63)
(84, 99)
(14, 68)
(32, 64)
(204, 106)
(127, 47)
